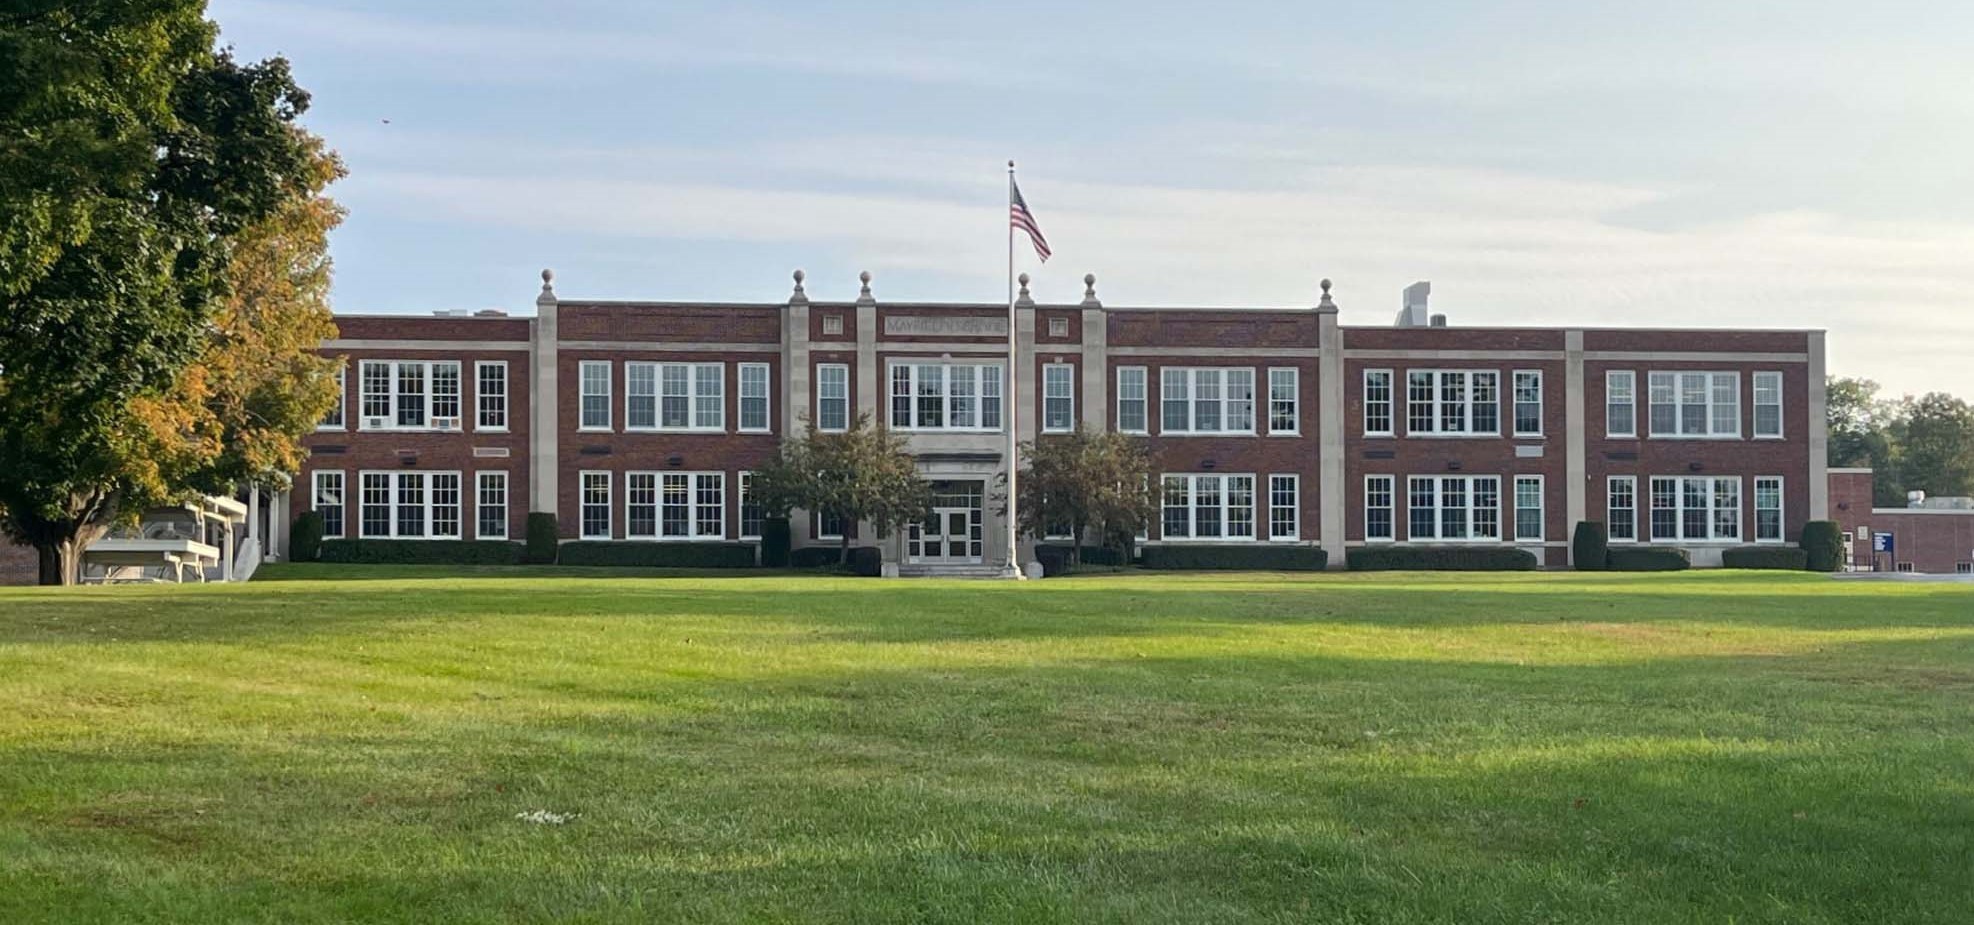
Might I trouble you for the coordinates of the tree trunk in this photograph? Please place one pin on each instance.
(51, 571)
(1076, 544)
(843, 551)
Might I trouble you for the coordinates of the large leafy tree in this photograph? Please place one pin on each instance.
(132, 154)
(1099, 482)
(865, 473)
(1933, 437)
(1858, 421)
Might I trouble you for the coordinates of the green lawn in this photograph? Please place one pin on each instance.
(1702, 747)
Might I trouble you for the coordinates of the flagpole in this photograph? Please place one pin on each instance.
(1013, 569)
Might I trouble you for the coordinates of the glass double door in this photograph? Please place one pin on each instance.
(953, 533)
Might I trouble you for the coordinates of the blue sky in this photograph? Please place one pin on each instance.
(1801, 164)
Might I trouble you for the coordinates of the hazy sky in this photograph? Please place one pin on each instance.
(1671, 163)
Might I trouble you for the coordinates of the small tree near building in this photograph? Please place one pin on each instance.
(865, 473)
(1088, 482)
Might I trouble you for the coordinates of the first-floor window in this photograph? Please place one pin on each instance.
(829, 526)
(1621, 503)
(445, 504)
(492, 497)
(410, 505)
(328, 502)
(675, 505)
(595, 505)
(1378, 507)
(1528, 507)
(1768, 509)
(1208, 507)
(1284, 507)
(1696, 509)
(750, 512)
(1455, 507)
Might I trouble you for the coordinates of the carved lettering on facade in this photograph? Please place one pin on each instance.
(950, 326)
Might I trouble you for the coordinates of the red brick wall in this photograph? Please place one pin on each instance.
(1932, 542)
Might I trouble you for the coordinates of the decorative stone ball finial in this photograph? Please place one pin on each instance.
(799, 277)
(547, 282)
(1089, 285)
(1023, 280)
(1326, 292)
(864, 278)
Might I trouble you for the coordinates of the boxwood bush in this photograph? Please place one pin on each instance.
(1648, 559)
(815, 556)
(1787, 558)
(1439, 559)
(1823, 543)
(776, 538)
(424, 552)
(543, 544)
(305, 537)
(1256, 556)
(1055, 557)
(658, 555)
(867, 561)
(1590, 546)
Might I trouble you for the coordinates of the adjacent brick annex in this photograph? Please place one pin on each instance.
(1935, 541)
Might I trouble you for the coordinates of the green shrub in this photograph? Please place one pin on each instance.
(867, 561)
(423, 552)
(1054, 557)
(543, 544)
(644, 554)
(1590, 547)
(305, 537)
(1787, 558)
(1255, 556)
(1439, 559)
(1823, 545)
(776, 539)
(1648, 559)
(815, 556)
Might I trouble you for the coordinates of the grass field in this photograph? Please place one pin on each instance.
(1703, 747)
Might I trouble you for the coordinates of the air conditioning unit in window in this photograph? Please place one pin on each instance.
(376, 423)
(445, 424)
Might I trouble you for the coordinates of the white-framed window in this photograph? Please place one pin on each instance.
(1453, 401)
(1284, 401)
(1454, 508)
(1284, 507)
(1699, 405)
(490, 395)
(410, 504)
(1528, 508)
(1768, 405)
(490, 489)
(408, 394)
(1377, 403)
(1528, 402)
(1058, 327)
(1378, 508)
(751, 514)
(1696, 509)
(1196, 400)
(675, 505)
(328, 501)
(595, 375)
(334, 419)
(1132, 400)
(946, 396)
(1768, 509)
(1208, 507)
(754, 400)
(1620, 403)
(1621, 508)
(1058, 397)
(833, 397)
(827, 526)
(675, 396)
(595, 513)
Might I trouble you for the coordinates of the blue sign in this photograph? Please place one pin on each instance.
(1883, 542)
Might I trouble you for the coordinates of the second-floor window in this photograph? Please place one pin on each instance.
(1058, 397)
(675, 396)
(754, 397)
(1377, 403)
(1690, 404)
(334, 419)
(833, 397)
(1528, 402)
(1620, 403)
(1453, 401)
(1206, 401)
(409, 394)
(1768, 404)
(595, 395)
(946, 396)
(1283, 401)
(490, 378)
(1132, 400)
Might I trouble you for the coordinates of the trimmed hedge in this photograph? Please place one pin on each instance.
(815, 556)
(1255, 557)
(305, 537)
(1823, 545)
(543, 544)
(1439, 559)
(423, 552)
(1590, 547)
(867, 561)
(1055, 557)
(1648, 559)
(658, 555)
(1787, 558)
(776, 540)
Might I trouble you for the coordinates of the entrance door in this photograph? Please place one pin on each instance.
(952, 535)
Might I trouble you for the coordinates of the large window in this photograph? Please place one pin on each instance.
(1528, 402)
(1700, 405)
(1454, 508)
(751, 513)
(675, 396)
(1284, 507)
(754, 398)
(1621, 507)
(1208, 507)
(1131, 399)
(1378, 508)
(491, 491)
(946, 396)
(595, 396)
(1284, 401)
(832, 397)
(1528, 507)
(1058, 397)
(410, 505)
(490, 395)
(1206, 401)
(409, 394)
(1377, 403)
(675, 505)
(595, 487)
(334, 419)
(1696, 509)
(1620, 403)
(1768, 509)
(328, 502)
(1768, 405)
(1453, 401)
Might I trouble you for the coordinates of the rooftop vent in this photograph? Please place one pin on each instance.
(1439, 321)
(490, 313)
(450, 313)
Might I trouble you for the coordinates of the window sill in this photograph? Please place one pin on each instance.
(1206, 539)
(595, 430)
(755, 430)
(1496, 435)
(1285, 433)
(675, 539)
(1206, 433)
(1520, 436)
(332, 430)
(491, 430)
(1696, 437)
(675, 430)
(1770, 438)
(409, 539)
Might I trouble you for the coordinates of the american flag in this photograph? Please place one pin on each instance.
(1021, 218)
